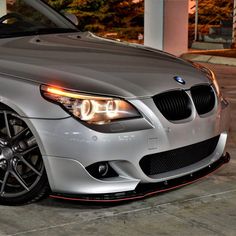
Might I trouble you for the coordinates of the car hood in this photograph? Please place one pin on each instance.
(87, 63)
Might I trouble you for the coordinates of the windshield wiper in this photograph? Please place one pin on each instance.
(38, 31)
(53, 30)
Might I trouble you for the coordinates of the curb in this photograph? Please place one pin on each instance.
(229, 61)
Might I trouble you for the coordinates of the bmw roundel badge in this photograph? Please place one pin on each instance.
(179, 80)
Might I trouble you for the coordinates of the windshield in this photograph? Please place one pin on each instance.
(27, 17)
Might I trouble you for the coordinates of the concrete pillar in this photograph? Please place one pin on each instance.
(166, 25)
(3, 8)
(153, 27)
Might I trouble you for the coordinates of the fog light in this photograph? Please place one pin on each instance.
(103, 169)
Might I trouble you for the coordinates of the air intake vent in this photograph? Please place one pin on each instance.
(204, 98)
(174, 105)
(178, 158)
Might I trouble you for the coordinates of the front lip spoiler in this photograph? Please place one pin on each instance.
(147, 190)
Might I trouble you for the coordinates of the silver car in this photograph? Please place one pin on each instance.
(90, 119)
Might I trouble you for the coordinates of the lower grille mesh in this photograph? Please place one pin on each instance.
(178, 158)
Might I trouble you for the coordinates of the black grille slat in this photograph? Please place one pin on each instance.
(178, 158)
(174, 105)
(203, 98)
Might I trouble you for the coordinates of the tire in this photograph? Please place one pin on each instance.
(23, 177)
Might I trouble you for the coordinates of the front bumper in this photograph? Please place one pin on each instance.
(68, 148)
(147, 190)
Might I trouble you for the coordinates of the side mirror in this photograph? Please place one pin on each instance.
(73, 18)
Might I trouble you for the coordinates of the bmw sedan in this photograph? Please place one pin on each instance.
(90, 119)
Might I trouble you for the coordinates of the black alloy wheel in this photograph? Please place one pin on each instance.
(23, 177)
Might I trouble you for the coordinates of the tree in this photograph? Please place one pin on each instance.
(212, 12)
(60, 4)
(126, 17)
(99, 15)
(234, 26)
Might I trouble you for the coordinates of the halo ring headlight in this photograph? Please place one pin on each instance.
(89, 108)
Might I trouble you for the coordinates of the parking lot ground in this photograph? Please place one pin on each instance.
(207, 207)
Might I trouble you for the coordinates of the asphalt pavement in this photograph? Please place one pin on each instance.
(207, 207)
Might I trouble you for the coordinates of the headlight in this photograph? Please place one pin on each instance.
(91, 109)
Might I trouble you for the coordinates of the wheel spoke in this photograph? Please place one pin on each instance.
(29, 150)
(7, 124)
(30, 166)
(21, 133)
(4, 183)
(20, 180)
